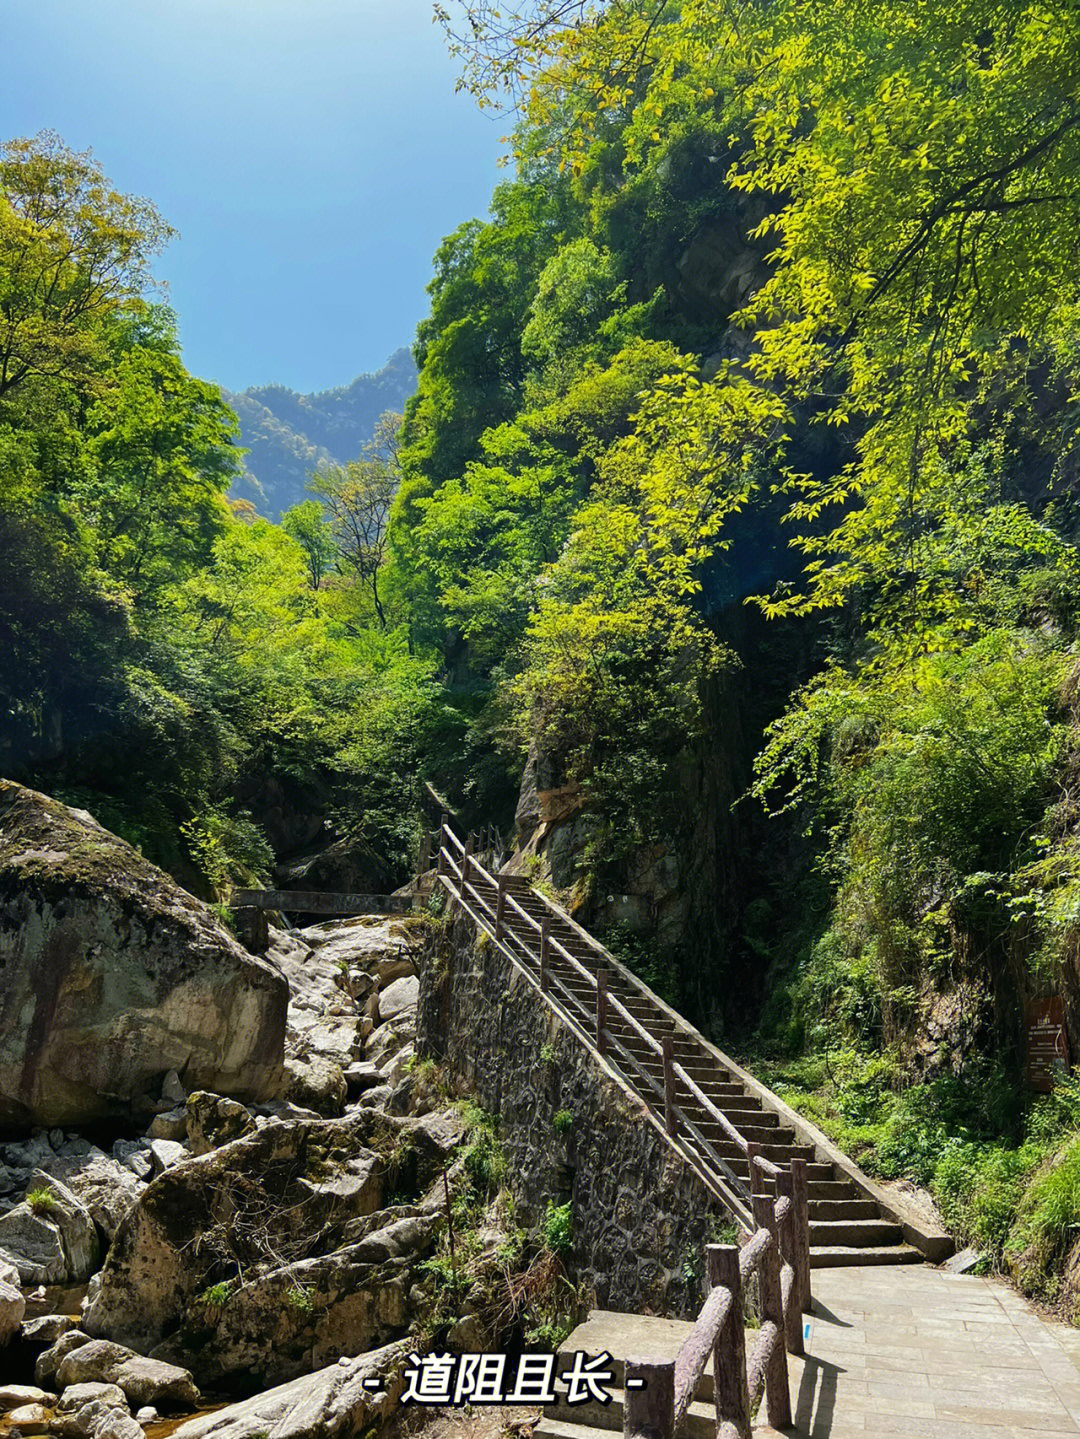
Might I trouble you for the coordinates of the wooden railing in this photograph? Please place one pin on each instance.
(777, 1246)
(657, 1394)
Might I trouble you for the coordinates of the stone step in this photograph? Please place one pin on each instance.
(833, 1209)
(832, 1188)
(607, 1331)
(835, 1256)
(699, 1422)
(816, 1173)
(863, 1233)
(760, 1133)
(556, 1429)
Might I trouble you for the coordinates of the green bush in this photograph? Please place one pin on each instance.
(559, 1227)
(485, 1161)
(217, 1295)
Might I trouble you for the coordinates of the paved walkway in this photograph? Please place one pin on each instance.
(929, 1355)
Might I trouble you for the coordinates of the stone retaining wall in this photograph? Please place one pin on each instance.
(642, 1217)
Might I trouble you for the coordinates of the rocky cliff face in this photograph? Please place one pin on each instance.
(111, 975)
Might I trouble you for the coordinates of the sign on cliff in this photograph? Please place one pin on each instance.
(1047, 1042)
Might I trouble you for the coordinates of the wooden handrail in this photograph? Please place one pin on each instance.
(613, 1004)
(778, 1247)
(694, 1354)
(728, 1188)
(739, 1380)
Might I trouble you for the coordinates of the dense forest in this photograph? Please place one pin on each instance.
(735, 509)
(287, 435)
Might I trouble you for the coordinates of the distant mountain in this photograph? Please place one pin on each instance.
(289, 435)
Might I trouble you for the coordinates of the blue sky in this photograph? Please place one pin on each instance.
(312, 154)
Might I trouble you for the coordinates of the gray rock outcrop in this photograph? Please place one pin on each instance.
(52, 1240)
(285, 1191)
(114, 975)
(12, 1303)
(270, 1255)
(332, 1403)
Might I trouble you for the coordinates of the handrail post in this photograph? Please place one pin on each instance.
(544, 954)
(753, 1150)
(440, 858)
(425, 854)
(500, 905)
(601, 1009)
(729, 1350)
(800, 1203)
(777, 1393)
(671, 1118)
(788, 1244)
(465, 863)
(649, 1399)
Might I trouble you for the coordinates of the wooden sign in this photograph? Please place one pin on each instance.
(1047, 1043)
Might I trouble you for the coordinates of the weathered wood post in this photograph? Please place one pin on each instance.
(466, 863)
(544, 980)
(253, 928)
(425, 854)
(729, 1351)
(800, 1194)
(785, 1188)
(777, 1393)
(440, 859)
(601, 1009)
(500, 905)
(671, 1119)
(753, 1150)
(649, 1399)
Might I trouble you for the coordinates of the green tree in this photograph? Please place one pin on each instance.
(358, 497)
(73, 253)
(309, 527)
(161, 458)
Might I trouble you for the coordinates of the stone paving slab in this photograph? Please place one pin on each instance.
(928, 1355)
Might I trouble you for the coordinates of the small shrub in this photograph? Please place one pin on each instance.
(448, 1275)
(484, 1159)
(559, 1227)
(547, 1054)
(300, 1300)
(218, 1295)
(549, 1333)
(226, 916)
(42, 1201)
(563, 1120)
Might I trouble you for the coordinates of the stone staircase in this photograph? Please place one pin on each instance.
(846, 1226)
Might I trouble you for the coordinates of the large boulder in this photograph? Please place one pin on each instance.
(279, 1194)
(106, 1187)
(315, 1083)
(212, 1121)
(114, 975)
(50, 1236)
(12, 1303)
(310, 1312)
(48, 1363)
(270, 1255)
(333, 1403)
